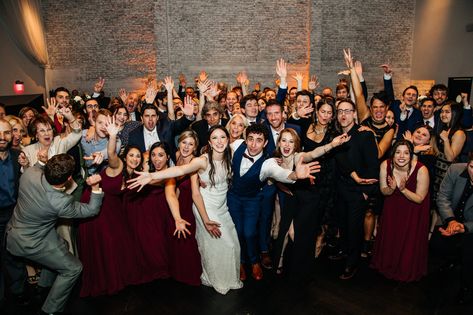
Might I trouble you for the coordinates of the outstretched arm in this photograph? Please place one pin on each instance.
(173, 203)
(145, 178)
(169, 85)
(319, 151)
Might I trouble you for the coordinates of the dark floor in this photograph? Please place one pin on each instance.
(366, 293)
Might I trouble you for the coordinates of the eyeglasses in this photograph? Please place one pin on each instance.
(92, 106)
(344, 111)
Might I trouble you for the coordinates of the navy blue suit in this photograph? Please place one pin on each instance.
(243, 200)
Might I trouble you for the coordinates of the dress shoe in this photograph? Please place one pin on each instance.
(348, 273)
(257, 272)
(266, 261)
(338, 256)
(242, 272)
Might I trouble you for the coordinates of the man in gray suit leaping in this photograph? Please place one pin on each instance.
(31, 232)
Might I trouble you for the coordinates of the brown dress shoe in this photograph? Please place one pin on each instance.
(257, 272)
(242, 272)
(266, 261)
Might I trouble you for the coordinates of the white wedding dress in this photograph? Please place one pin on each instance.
(220, 256)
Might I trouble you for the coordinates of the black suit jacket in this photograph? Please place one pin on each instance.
(167, 130)
(201, 127)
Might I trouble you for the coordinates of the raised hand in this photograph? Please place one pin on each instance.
(407, 135)
(422, 148)
(51, 109)
(98, 86)
(359, 68)
(313, 83)
(111, 126)
(168, 84)
(123, 95)
(204, 86)
(213, 228)
(203, 76)
(348, 58)
(387, 68)
(188, 108)
(281, 68)
(305, 111)
(67, 113)
(143, 179)
(242, 78)
(298, 77)
(304, 170)
(151, 92)
(213, 91)
(181, 228)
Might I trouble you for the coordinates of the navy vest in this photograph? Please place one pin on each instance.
(248, 185)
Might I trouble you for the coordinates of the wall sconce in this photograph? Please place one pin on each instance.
(19, 87)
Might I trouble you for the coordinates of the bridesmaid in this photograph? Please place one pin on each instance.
(107, 267)
(184, 256)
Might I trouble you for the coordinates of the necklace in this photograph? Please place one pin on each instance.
(319, 132)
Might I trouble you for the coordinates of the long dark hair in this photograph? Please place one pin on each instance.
(455, 121)
(331, 132)
(167, 150)
(139, 168)
(227, 156)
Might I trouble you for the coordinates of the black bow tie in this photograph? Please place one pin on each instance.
(248, 157)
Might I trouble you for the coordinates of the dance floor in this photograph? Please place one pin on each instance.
(324, 294)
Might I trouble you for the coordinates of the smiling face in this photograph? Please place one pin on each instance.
(446, 114)
(420, 136)
(255, 143)
(187, 147)
(27, 117)
(251, 109)
(390, 117)
(427, 109)
(62, 98)
(159, 158)
(121, 116)
(409, 97)
(231, 100)
(440, 96)
(378, 111)
(212, 117)
(133, 158)
(286, 144)
(132, 102)
(401, 156)
(274, 116)
(237, 126)
(342, 93)
(324, 114)
(5, 135)
(270, 95)
(218, 140)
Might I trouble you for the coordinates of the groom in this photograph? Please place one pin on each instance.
(31, 232)
(250, 170)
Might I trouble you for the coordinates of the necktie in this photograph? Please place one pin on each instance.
(427, 123)
(252, 122)
(252, 160)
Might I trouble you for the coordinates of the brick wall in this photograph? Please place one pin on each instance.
(126, 41)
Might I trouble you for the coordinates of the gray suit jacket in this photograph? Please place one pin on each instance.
(32, 226)
(450, 193)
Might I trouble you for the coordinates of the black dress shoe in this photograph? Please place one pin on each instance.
(348, 273)
(338, 256)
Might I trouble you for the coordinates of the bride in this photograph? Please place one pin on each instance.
(215, 233)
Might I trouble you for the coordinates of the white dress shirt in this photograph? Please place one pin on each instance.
(150, 137)
(431, 121)
(270, 167)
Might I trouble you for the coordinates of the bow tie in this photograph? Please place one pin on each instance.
(248, 157)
